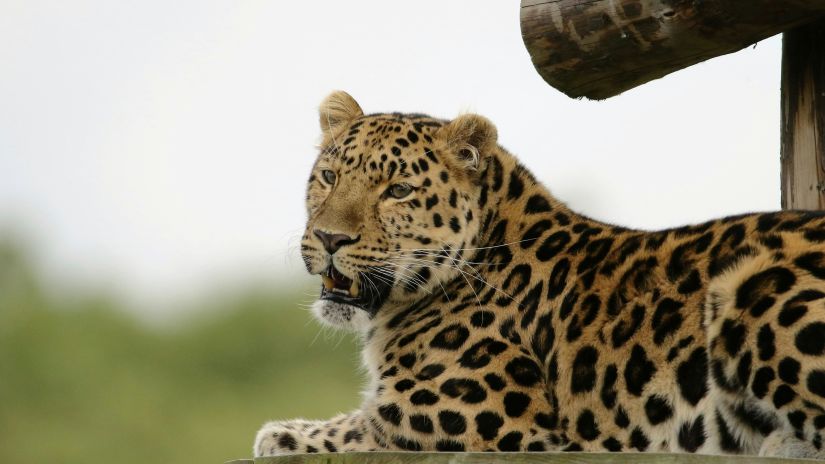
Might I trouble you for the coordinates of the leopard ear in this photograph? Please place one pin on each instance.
(470, 137)
(337, 109)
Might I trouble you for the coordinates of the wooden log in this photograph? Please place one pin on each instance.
(514, 458)
(600, 48)
(803, 117)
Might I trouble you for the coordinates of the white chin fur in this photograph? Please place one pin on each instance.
(340, 316)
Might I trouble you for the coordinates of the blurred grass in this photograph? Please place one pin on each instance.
(81, 380)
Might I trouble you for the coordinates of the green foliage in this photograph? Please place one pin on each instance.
(82, 381)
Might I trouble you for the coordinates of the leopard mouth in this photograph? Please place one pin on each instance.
(339, 284)
(342, 289)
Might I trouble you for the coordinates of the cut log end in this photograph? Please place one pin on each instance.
(600, 48)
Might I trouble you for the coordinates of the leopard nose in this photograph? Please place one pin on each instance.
(333, 242)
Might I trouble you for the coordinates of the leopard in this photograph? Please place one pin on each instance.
(493, 318)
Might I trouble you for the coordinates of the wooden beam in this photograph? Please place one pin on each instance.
(803, 117)
(600, 48)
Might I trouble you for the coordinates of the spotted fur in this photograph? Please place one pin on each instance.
(494, 318)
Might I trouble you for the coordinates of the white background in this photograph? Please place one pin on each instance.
(160, 148)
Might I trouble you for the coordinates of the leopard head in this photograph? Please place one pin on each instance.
(392, 203)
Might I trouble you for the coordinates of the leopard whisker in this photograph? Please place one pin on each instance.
(434, 265)
(475, 276)
(442, 255)
(446, 295)
(413, 279)
(476, 248)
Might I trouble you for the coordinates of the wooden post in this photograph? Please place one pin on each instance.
(600, 48)
(803, 117)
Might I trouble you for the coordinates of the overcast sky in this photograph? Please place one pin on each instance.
(161, 148)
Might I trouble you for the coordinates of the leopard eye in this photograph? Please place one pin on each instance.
(329, 176)
(399, 190)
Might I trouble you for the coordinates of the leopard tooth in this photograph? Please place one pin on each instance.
(329, 284)
(353, 290)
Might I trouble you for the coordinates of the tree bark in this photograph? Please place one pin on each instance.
(600, 48)
(803, 117)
